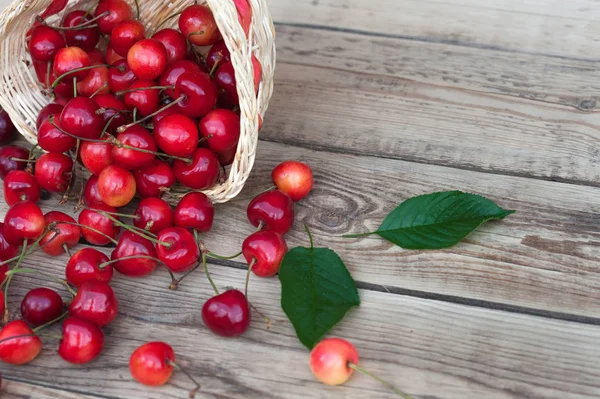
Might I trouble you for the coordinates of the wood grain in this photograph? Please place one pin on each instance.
(24, 390)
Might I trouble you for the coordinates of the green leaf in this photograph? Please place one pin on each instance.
(437, 220)
(316, 291)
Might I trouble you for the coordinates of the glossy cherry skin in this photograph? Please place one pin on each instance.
(95, 302)
(95, 82)
(7, 251)
(201, 173)
(116, 186)
(330, 358)
(152, 179)
(268, 249)
(18, 350)
(227, 157)
(112, 106)
(86, 38)
(118, 10)
(68, 234)
(227, 314)
(199, 91)
(218, 53)
(69, 59)
(195, 211)
(45, 42)
(174, 43)
(96, 156)
(176, 135)
(225, 78)
(112, 57)
(173, 72)
(84, 265)
(147, 59)
(198, 25)
(52, 139)
(120, 78)
(23, 221)
(131, 244)
(91, 196)
(82, 341)
(293, 178)
(100, 222)
(7, 128)
(182, 252)
(40, 306)
(46, 111)
(80, 118)
(125, 34)
(53, 172)
(7, 164)
(137, 137)
(155, 211)
(274, 209)
(152, 363)
(145, 100)
(164, 112)
(221, 128)
(20, 186)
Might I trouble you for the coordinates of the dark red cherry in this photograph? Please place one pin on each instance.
(45, 42)
(227, 314)
(173, 72)
(153, 212)
(225, 78)
(112, 106)
(221, 129)
(23, 221)
(174, 43)
(176, 135)
(181, 252)
(7, 128)
(145, 100)
(125, 34)
(80, 118)
(84, 265)
(7, 251)
(116, 186)
(165, 112)
(70, 59)
(131, 244)
(82, 341)
(96, 156)
(95, 302)
(116, 11)
(267, 248)
(199, 91)
(20, 186)
(112, 57)
(46, 111)
(53, 243)
(195, 211)
(137, 137)
(201, 173)
(198, 25)
(218, 53)
(7, 153)
(120, 78)
(52, 139)
(23, 348)
(96, 82)
(147, 59)
(227, 157)
(91, 196)
(100, 222)
(53, 172)
(274, 209)
(40, 306)
(84, 38)
(154, 178)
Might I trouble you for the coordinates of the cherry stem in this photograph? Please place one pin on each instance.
(376, 378)
(137, 9)
(200, 32)
(48, 69)
(73, 177)
(48, 229)
(85, 68)
(110, 262)
(74, 86)
(216, 64)
(267, 320)
(125, 215)
(120, 93)
(165, 20)
(9, 279)
(99, 89)
(192, 393)
(309, 235)
(48, 276)
(122, 128)
(175, 282)
(92, 229)
(67, 250)
(210, 280)
(29, 335)
(20, 159)
(51, 121)
(135, 230)
(118, 144)
(252, 262)
(51, 322)
(213, 255)
(83, 25)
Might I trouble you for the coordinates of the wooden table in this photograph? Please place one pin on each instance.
(388, 99)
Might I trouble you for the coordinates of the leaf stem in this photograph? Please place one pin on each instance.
(376, 378)
(309, 236)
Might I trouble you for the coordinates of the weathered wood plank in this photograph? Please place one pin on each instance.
(537, 26)
(22, 390)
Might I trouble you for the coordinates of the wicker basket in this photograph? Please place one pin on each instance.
(21, 95)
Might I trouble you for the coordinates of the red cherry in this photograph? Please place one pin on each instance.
(274, 209)
(137, 137)
(174, 43)
(44, 43)
(18, 350)
(125, 34)
(267, 248)
(225, 78)
(84, 38)
(227, 314)
(7, 128)
(198, 25)
(96, 156)
(117, 80)
(23, 221)
(257, 69)
(145, 100)
(147, 59)
(116, 186)
(52, 139)
(227, 157)
(95, 302)
(330, 359)
(69, 235)
(84, 265)
(218, 53)
(80, 118)
(82, 341)
(165, 112)
(53, 172)
(176, 135)
(98, 221)
(293, 178)
(199, 93)
(221, 129)
(112, 57)
(112, 106)
(173, 72)
(118, 10)
(7, 164)
(201, 173)
(244, 14)
(182, 251)
(131, 244)
(152, 179)
(152, 363)
(20, 186)
(46, 111)
(96, 56)
(95, 82)
(91, 196)
(69, 59)
(40, 306)
(195, 211)
(155, 211)
(7, 251)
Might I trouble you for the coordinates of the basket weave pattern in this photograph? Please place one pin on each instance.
(21, 94)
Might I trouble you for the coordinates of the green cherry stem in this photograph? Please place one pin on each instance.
(213, 255)
(74, 86)
(85, 68)
(48, 276)
(125, 215)
(30, 335)
(99, 89)
(175, 282)
(110, 262)
(122, 128)
(65, 197)
(120, 93)
(51, 322)
(376, 378)
(210, 280)
(135, 230)
(83, 25)
(9, 279)
(250, 266)
(91, 229)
